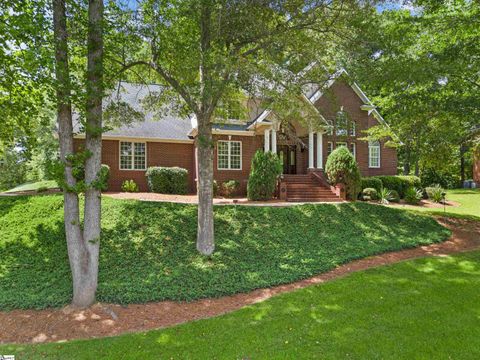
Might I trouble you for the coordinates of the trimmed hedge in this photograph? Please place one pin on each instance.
(399, 183)
(341, 168)
(266, 168)
(167, 180)
(372, 182)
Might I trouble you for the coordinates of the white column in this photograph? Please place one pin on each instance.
(319, 150)
(310, 150)
(274, 141)
(267, 141)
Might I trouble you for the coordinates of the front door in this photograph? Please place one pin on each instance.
(288, 155)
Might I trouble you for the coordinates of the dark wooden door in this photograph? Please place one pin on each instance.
(288, 155)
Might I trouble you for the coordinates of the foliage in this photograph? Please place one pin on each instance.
(230, 187)
(149, 247)
(399, 183)
(413, 195)
(369, 194)
(394, 196)
(341, 168)
(215, 188)
(129, 186)
(264, 172)
(372, 182)
(446, 179)
(49, 184)
(401, 301)
(435, 193)
(384, 196)
(167, 180)
(13, 169)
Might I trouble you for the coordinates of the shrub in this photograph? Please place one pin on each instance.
(266, 168)
(413, 195)
(215, 188)
(167, 180)
(341, 168)
(384, 196)
(42, 189)
(129, 186)
(394, 197)
(103, 178)
(435, 193)
(369, 194)
(400, 183)
(447, 178)
(372, 182)
(230, 187)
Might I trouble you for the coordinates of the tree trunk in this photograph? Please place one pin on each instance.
(93, 145)
(73, 233)
(205, 233)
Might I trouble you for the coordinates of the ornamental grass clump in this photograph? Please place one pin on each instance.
(341, 168)
(265, 170)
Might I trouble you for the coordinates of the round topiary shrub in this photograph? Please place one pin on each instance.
(341, 168)
(369, 194)
(266, 168)
(167, 180)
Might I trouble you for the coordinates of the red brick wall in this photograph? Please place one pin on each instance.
(158, 154)
(341, 94)
(476, 166)
(250, 144)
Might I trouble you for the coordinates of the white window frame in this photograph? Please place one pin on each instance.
(329, 148)
(353, 149)
(132, 155)
(374, 145)
(229, 155)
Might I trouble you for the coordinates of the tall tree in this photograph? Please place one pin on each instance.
(83, 245)
(207, 52)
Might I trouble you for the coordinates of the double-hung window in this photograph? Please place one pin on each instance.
(353, 150)
(374, 154)
(329, 148)
(229, 155)
(133, 155)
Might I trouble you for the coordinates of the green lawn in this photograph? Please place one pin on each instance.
(42, 185)
(422, 309)
(469, 200)
(148, 249)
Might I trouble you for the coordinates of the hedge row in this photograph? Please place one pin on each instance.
(399, 183)
(167, 180)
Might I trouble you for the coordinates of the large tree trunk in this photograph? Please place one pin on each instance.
(205, 233)
(73, 233)
(87, 282)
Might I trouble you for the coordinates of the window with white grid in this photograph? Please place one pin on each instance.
(329, 148)
(374, 154)
(353, 150)
(133, 156)
(229, 155)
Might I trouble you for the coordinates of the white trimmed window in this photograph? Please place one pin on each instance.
(353, 150)
(374, 154)
(229, 155)
(341, 124)
(329, 148)
(353, 129)
(133, 155)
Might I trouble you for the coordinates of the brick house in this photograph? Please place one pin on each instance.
(171, 141)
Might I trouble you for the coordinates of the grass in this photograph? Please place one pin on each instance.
(148, 249)
(423, 309)
(469, 200)
(35, 186)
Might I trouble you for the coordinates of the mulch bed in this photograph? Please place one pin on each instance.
(35, 326)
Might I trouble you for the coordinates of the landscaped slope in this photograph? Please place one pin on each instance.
(421, 309)
(148, 249)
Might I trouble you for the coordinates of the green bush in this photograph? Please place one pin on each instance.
(394, 197)
(447, 178)
(369, 194)
(384, 196)
(230, 187)
(400, 183)
(266, 168)
(129, 186)
(372, 182)
(435, 193)
(167, 180)
(413, 195)
(103, 178)
(341, 168)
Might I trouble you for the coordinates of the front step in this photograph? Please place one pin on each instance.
(306, 188)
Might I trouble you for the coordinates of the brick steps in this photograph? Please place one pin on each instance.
(305, 188)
